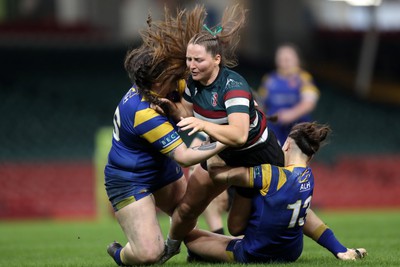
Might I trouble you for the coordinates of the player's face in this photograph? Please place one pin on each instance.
(286, 59)
(203, 66)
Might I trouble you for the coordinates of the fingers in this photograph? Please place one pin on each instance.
(352, 254)
(361, 252)
(190, 123)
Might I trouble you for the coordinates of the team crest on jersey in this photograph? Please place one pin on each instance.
(214, 99)
(128, 95)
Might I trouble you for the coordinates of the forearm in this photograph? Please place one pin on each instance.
(290, 115)
(230, 135)
(193, 155)
(317, 230)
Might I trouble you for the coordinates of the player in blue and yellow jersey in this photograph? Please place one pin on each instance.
(288, 93)
(271, 208)
(143, 170)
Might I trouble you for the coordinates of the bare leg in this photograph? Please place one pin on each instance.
(139, 222)
(209, 246)
(200, 191)
(312, 224)
(213, 212)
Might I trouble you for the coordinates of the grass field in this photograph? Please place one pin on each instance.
(59, 243)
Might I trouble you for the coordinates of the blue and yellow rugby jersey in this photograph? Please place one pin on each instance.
(275, 228)
(229, 93)
(284, 93)
(139, 135)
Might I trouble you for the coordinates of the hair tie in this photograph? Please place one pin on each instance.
(214, 33)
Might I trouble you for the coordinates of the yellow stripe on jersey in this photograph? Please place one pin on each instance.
(251, 179)
(266, 178)
(158, 132)
(282, 179)
(170, 148)
(144, 115)
(308, 85)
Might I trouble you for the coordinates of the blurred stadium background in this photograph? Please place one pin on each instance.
(62, 75)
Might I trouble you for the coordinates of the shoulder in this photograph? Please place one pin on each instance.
(145, 113)
(305, 76)
(308, 85)
(233, 80)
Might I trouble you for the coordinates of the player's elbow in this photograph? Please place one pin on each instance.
(239, 141)
(184, 161)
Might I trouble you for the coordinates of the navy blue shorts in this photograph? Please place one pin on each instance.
(240, 254)
(125, 187)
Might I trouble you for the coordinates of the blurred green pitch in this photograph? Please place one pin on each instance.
(83, 243)
(63, 243)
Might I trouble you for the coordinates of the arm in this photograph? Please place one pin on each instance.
(189, 156)
(233, 134)
(221, 173)
(175, 110)
(306, 105)
(308, 102)
(317, 230)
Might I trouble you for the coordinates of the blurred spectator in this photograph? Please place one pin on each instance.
(288, 92)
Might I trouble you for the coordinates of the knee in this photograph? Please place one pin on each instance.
(150, 256)
(213, 171)
(187, 212)
(146, 255)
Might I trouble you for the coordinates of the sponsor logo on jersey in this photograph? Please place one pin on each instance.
(230, 83)
(169, 139)
(305, 184)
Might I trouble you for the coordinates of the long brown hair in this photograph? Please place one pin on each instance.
(162, 56)
(223, 39)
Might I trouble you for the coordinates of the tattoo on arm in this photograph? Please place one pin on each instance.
(203, 147)
(210, 146)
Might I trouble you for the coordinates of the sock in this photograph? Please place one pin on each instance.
(172, 244)
(219, 231)
(329, 241)
(117, 257)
